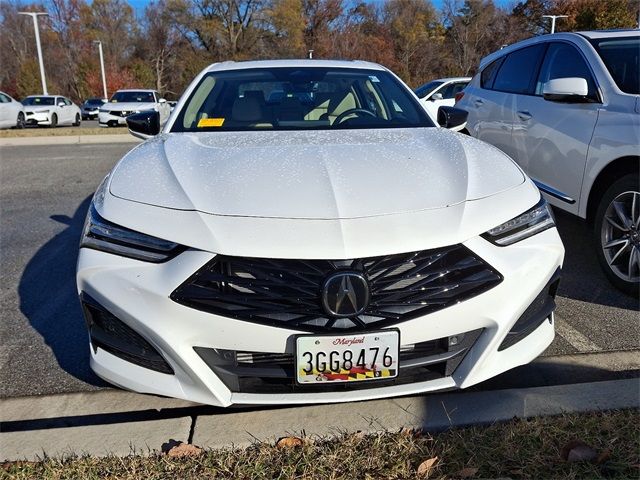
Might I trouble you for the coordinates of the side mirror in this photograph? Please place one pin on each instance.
(144, 124)
(569, 89)
(452, 118)
(61, 104)
(162, 100)
(436, 96)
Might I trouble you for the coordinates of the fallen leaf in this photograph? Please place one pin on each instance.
(184, 450)
(467, 472)
(425, 467)
(577, 451)
(289, 442)
(410, 432)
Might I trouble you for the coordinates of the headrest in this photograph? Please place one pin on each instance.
(257, 94)
(246, 109)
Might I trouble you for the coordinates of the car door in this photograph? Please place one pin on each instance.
(70, 112)
(513, 78)
(550, 138)
(59, 109)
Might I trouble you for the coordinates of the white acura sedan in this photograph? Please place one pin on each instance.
(301, 232)
(51, 110)
(127, 102)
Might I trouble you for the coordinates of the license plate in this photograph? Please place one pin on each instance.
(347, 358)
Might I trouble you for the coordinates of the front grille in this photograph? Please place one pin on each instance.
(287, 293)
(260, 372)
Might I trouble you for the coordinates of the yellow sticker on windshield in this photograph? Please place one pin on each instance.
(210, 122)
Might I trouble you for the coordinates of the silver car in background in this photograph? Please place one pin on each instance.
(566, 108)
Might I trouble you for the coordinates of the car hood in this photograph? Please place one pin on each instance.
(39, 108)
(128, 106)
(313, 175)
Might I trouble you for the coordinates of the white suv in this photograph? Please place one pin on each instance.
(566, 108)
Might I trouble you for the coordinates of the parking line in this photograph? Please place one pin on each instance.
(576, 339)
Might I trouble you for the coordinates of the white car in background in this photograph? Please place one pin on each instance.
(440, 92)
(126, 102)
(566, 108)
(51, 110)
(11, 112)
(302, 232)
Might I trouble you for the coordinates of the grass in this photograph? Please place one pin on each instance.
(517, 449)
(59, 131)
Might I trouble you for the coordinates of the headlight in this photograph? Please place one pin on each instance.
(105, 236)
(523, 226)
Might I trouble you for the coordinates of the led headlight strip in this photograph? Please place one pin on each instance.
(534, 220)
(100, 234)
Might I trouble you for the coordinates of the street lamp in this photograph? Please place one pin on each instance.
(104, 82)
(553, 20)
(34, 15)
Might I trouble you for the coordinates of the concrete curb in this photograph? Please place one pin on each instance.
(61, 424)
(69, 140)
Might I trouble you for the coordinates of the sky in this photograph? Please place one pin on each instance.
(139, 5)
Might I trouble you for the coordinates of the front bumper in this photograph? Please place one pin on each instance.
(38, 118)
(106, 119)
(89, 114)
(137, 293)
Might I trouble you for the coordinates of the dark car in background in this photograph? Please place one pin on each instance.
(90, 108)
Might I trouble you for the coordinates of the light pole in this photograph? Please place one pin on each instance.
(104, 81)
(34, 15)
(553, 20)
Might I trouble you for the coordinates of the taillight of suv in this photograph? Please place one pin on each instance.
(459, 96)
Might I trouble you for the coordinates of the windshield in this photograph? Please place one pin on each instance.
(299, 98)
(38, 101)
(135, 97)
(621, 56)
(94, 101)
(427, 88)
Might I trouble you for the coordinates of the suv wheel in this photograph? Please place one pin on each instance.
(617, 234)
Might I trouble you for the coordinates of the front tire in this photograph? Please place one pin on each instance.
(20, 121)
(54, 120)
(617, 234)
(77, 122)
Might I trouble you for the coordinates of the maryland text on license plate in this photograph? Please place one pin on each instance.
(347, 358)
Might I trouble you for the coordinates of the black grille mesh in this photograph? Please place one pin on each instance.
(287, 293)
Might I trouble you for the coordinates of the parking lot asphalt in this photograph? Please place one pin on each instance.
(44, 194)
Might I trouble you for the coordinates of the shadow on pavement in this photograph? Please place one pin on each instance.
(582, 277)
(49, 299)
(582, 374)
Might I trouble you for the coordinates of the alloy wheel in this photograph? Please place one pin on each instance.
(620, 236)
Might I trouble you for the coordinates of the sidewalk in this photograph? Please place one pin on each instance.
(68, 140)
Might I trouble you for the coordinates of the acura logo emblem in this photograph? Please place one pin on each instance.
(345, 294)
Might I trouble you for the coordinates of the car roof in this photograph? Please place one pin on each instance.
(43, 96)
(294, 63)
(558, 36)
(451, 79)
(150, 90)
(610, 33)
